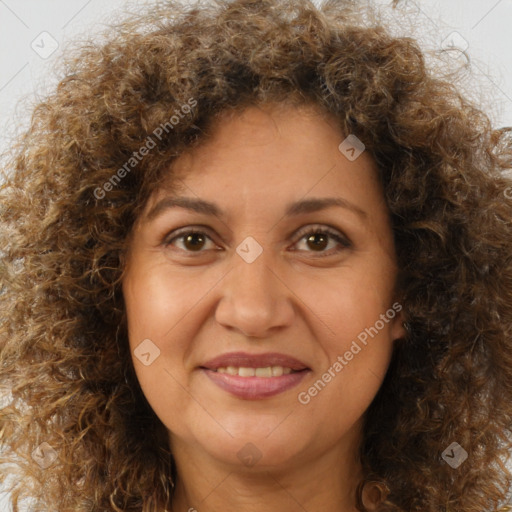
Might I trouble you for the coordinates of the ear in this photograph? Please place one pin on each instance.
(398, 330)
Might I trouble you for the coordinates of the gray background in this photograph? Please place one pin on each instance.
(26, 68)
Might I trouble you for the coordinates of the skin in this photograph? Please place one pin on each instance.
(306, 300)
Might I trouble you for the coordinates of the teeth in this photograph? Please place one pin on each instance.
(277, 371)
(246, 372)
(269, 371)
(264, 372)
(231, 370)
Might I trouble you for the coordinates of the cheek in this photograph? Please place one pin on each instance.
(153, 310)
(158, 300)
(345, 304)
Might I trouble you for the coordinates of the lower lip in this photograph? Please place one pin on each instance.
(255, 388)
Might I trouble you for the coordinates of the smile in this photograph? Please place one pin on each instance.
(255, 376)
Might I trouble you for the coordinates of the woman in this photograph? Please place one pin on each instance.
(257, 257)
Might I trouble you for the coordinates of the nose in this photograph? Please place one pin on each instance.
(255, 300)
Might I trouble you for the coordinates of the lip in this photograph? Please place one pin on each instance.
(255, 388)
(254, 361)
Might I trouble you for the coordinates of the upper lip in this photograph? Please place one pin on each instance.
(243, 359)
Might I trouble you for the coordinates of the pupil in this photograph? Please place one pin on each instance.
(191, 240)
(322, 244)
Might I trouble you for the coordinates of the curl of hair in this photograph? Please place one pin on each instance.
(63, 340)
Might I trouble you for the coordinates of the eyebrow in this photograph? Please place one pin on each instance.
(297, 208)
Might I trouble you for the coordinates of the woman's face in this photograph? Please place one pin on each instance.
(254, 340)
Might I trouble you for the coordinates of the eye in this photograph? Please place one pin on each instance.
(194, 240)
(318, 239)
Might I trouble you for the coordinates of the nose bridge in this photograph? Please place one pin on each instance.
(254, 299)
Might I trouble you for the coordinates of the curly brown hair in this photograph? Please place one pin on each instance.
(63, 340)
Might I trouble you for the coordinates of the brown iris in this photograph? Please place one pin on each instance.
(194, 241)
(314, 237)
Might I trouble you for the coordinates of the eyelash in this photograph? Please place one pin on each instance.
(342, 240)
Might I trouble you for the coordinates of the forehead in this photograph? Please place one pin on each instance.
(270, 140)
(260, 124)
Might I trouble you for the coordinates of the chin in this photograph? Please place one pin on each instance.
(256, 448)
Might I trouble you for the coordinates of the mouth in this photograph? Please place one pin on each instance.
(255, 376)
